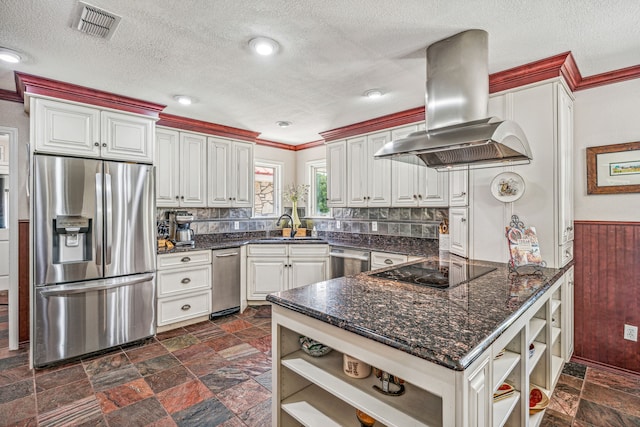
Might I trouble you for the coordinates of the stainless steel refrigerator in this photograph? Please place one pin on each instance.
(94, 256)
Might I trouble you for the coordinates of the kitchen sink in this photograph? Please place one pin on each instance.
(289, 239)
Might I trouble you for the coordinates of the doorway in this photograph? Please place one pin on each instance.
(8, 238)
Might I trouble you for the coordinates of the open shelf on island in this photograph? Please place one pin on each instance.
(554, 305)
(535, 326)
(536, 418)
(555, 333)
(503, 408)
(315, 407)
(502, 367)
(416, 407)
(540, 348)
(556, 368)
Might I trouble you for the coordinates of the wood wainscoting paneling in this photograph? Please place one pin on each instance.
(607, 292)
(23, 280)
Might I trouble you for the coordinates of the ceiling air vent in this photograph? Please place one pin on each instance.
(94, 21)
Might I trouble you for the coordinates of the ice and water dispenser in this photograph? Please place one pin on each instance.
(72, 239)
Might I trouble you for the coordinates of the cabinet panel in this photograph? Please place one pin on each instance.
(126, 137)
(62, 128)
(183, 307)
(337, 174)
(265, 276)
(459, 187)
(219, 159)
(304, 271)
(565, 166)
(243, 169)
(458, 231)
(382, 259)
(433, 187)
(181, 280)
(166, 261)
(193, 170)
(378, 172)
(357, 174)
(479, 392)
(167, 162)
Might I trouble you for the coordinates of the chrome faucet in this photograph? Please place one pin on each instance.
(293, 226)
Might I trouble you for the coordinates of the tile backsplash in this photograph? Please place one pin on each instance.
(406, 222)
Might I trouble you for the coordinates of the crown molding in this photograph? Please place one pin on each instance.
(275, 144)
(8, 95)
(34, 85)
(185, 123)
(311, 144)
(610, 77)
(391, 120)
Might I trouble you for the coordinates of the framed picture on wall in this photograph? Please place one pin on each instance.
(613, 169)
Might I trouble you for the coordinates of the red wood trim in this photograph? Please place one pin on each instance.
(309, 145)
(26, 83)
(604, 366)
(396, 119)
(194, 125)
(590, 222)
(610, 77)
(8, 95)
(275, 144)
(569, 70)
(23, 281)
(528, 73)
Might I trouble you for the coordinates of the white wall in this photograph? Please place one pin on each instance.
(12, 115)
(603, 116)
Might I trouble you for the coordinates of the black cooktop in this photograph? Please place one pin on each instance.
(434, 274)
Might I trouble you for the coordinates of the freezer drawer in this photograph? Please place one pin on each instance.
(71, 320)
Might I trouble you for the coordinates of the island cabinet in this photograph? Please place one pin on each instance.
(274, 268)
(314, 391)
(82, 130)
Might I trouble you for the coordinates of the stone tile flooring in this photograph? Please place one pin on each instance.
(219, 374)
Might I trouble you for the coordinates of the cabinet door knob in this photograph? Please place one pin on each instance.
(186, 280)
(420, 196)
(185, 259)
(185, 307)
(182, 197)
(104, 144)
(463, 219)
(415, 197)
(97, 144)
(570, 228)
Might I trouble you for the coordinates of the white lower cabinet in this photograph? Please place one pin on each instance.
(314, 391)
(459, 231)
(184, 288)
(273, 268)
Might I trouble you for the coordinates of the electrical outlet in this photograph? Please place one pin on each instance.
(338, 225)
(236, 225)
(374, 225)
(631, 333)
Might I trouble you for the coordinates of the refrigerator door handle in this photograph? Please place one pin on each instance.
(108, 217)
(90, 287)
(97, 224)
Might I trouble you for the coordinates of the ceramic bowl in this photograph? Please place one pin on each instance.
(313, 348)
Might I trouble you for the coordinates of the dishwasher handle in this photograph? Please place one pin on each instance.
(227, 255)
(348, 256)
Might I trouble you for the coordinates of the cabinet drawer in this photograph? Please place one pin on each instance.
(566, 253)
(183, 258)
(381, 259)
(180, 280)
(314, 250)
(177, 309)
(267, 250)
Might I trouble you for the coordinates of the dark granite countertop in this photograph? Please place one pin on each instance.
(392, 244)
(448, 327)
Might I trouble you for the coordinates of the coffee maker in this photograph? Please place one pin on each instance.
(184, 235)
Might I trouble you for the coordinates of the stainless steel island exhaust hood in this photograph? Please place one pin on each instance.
(459, 132)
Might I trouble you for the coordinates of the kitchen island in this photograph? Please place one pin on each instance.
(453, 347)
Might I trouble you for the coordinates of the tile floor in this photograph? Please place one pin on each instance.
(219, 374)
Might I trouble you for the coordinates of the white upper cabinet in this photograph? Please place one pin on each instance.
(193, 170)
(79, 130)
(337, 174)
(459, 187)
(230, 177)
(565, 166)
(459, 231)
(414, 184)
(180, 169)
(369, 179)
(167, 161)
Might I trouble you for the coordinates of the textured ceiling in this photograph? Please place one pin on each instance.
(331, 52)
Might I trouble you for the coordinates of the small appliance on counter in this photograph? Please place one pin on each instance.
(184, 234)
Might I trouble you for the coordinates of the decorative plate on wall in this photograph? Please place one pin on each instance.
(507, 187)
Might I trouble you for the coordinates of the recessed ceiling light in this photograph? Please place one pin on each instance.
(284, 124)
(183, 99)
(373, 93)
(8, 55)
(264, 46)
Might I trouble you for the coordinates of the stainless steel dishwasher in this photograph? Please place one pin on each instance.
(347, 262)
(225, 292)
